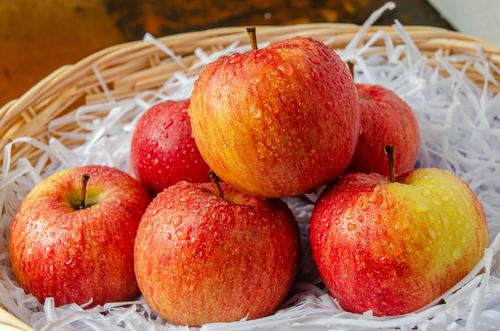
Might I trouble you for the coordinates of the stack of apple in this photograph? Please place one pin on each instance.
(273, 122)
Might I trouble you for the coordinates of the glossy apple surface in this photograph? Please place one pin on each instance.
(277, 121)
(201, 259)
(385, 120)
(75, 255)
(163, 150)
(395, 247)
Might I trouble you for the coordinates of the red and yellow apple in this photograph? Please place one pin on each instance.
(200, 258)
(385, 120)
(163, 150)
(394, 247)
(72, 252)
(276, 121)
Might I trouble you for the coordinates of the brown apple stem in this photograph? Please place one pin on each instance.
(350, 64)
(389, 151)
(252, 35)
(85, 180)
(215, 180)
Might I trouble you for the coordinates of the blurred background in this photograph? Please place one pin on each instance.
(37, 37)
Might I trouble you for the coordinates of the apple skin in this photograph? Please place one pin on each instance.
(163, 150)
(385, 120)
(78, 255)
(277, 121)
(395, 247)
(202, 259)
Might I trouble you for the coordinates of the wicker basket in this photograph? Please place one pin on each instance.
(133, 67)
(137, 66)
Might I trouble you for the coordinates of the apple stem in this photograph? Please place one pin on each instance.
(215, 180)
(85, 180)
(350, 65)
(389, 151)
(252, 35)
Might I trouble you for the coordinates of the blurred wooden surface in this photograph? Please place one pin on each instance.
(37, 37)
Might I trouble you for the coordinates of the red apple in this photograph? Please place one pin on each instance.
(385, 120)
(276, 121)
(59, 249)
(394, 247)
(200, 258)
(163, 150)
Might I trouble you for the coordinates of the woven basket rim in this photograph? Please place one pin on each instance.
(58, 92)
(65, 70)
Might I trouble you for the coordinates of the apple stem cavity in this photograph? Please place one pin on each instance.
(85, 180)
(215, 180)
(252, 35)
(389, 151)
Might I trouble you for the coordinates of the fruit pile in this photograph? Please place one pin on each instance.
(270, 123)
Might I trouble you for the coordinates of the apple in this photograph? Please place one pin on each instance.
(385, 120)
(394, 247)
(163, 150)
(205, 255)
(74, 249)
(276, 121)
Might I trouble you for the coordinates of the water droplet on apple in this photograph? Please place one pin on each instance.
(169, 123)
(351, 226)
(349, 214)
(255, 111)
(256, 80)
(225, 78)
(286, 68)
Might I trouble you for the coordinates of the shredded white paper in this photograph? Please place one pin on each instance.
(460, 130)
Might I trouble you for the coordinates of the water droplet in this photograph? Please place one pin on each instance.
(169, 123)
(255, 111)
(351, 226)
(286, 68)
(256, 80)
